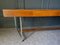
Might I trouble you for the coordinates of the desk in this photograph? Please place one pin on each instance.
(28, 13)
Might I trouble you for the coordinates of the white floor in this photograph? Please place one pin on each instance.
(11, 37)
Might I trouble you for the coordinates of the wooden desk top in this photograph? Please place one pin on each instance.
(30, 13)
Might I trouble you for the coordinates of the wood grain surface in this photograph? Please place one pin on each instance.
(30, 13)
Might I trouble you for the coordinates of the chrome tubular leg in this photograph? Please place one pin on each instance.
(16, 26)
(22, 33)
(21, 27)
